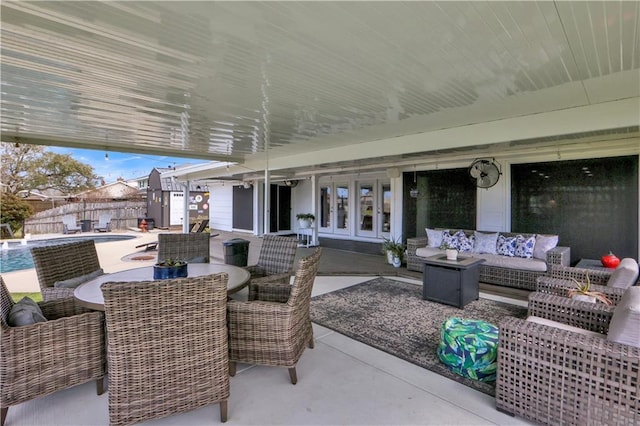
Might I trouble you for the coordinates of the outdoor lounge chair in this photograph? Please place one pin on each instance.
(274, 331)
(552, 373)
(38, 359)
(69, 225)
(191, 247)
(104, 223)
(62, 262)
(168, 347)
(276, 257)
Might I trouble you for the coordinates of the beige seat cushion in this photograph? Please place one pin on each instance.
(625, 275)
(625, 324)
(563, 326)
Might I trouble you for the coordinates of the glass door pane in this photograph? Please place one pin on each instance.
(342, 208)
(325, 208)
(366, 208)
(385, 218)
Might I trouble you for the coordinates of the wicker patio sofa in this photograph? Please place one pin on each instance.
(508, 274)
(553, 375)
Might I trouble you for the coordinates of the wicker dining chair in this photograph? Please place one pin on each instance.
(553, 375)
(272, 333)
(276, 257)
(39, 359)
(193, 247)
(62, 262)
(168, 347)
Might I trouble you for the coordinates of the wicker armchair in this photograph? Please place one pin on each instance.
(45, 357)
(561, 287)
(168, 347)
(61, 262)
(276, 258)
(560, 281)
(275, 332)
(555, 376)
(184, 246)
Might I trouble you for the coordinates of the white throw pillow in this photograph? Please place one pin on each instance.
(625, 323)
(485, 242)
(524, 246)
(544, 243)
(625, 275)
(434, 237)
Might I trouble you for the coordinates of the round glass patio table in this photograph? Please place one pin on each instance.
(89, 294)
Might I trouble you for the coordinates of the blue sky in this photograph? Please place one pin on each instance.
(126, 165)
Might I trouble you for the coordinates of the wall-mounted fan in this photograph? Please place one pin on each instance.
(485, 172)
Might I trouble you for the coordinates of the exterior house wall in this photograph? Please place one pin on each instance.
(221, 207)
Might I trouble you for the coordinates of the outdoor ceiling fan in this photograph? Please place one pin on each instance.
(485, 172)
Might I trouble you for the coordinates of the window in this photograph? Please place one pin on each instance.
(591, 204)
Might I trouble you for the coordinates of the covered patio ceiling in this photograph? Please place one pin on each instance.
(303, 86)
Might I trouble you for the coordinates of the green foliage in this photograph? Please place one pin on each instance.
(13, 210)
(171, 262)
(28, 167)
(36, 297)
(394, 246)
(308, 216)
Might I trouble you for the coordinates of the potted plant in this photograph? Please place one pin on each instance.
(451, 251)
(394, 249)
(170, 268)
(582, 292)
(305, 219)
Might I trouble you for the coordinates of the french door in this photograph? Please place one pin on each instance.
(365, 211)
(334, 208)
(374, 209)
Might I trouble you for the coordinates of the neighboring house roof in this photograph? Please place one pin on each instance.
(116, 189)
(169, 184)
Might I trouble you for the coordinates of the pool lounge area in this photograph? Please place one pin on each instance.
(16, 255)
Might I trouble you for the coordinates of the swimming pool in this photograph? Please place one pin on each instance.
(14, 256)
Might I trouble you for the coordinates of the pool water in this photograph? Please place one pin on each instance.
(17, 256)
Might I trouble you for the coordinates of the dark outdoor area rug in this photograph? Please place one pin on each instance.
(391, 316)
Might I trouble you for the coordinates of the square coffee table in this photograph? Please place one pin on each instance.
(452, 282)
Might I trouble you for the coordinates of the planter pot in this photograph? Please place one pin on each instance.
(304, 223)
(389, 257)
(396, 262)
(584, 298)
(167, 272)
(452, 254)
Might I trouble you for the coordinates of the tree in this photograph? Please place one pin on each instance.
(27, 167)
(13, 210)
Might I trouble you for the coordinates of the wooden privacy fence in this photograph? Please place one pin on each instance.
(124, 214)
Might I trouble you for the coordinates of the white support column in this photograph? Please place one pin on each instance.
(315, 210)
(266, 197)
(185, 219)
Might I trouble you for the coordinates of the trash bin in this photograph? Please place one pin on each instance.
(236, 252)
(85, 225)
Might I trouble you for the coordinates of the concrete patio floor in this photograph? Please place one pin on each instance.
(341, 381)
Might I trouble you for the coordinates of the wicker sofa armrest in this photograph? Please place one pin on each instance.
(414, 263)
(554, 376)
(255, 311)
(558, 256)
(60, 308)
(272, 288)
(586, 315)
(561, 287)
(567, 272)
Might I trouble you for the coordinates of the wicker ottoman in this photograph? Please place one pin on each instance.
(469, 348)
